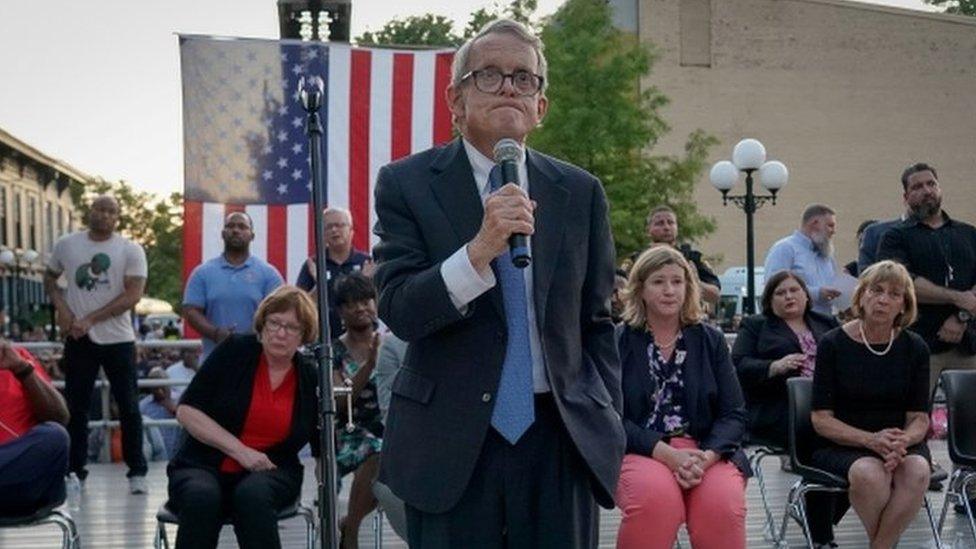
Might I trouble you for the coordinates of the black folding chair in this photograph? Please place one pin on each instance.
(802, 442)
(960, 387)
(50, 514)
(166, 516)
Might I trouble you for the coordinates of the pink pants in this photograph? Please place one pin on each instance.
(654, 506)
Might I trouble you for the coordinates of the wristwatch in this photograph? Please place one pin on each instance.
(964, 316)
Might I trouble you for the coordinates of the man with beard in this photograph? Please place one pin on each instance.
(222, 294)
(95, 319)
(340, 259)
(809, 253)
(940, 253)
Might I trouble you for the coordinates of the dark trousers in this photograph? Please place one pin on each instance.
(82, 359)
(203, 498)
(535, 494)
(32, 469)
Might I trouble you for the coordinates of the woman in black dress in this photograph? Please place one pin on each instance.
(870, 401)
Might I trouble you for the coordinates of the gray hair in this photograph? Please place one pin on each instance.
(816, 210)
(500, 26)
(336, 209)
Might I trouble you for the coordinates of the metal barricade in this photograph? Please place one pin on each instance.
(103, 385)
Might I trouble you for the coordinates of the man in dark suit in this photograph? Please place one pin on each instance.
(504, 424)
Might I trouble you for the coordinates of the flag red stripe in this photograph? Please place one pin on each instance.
(192, 247)
(278, 237)
(442, 114)
(359, 85)
(402, 104)
(192, 236)
(231, 208)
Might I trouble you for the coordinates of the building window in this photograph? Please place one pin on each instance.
(695, 22)
(18, 218)
(3, 216)
(49, 225)
(60, 222)
(32, 222)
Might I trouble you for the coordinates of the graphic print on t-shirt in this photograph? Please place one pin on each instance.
(94, 273)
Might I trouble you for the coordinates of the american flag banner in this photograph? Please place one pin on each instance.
(245, 146)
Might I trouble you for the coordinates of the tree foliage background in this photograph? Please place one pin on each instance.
(599, 117)
(155, 223)
(961, 7)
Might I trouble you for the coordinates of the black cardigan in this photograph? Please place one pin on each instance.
(761, 340)
(222, 390)
(713, 399)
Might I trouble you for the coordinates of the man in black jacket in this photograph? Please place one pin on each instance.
(940, 254)
(662, 228)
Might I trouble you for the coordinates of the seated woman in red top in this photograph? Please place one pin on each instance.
(247, 413)
(33, 442)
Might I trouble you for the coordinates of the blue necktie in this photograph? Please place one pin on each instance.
(514, 406)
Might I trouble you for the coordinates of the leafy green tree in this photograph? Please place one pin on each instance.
(437, 30)
(154, 223)
(414, 30)
(961, 7)
(601, 120)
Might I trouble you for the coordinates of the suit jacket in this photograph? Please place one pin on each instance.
(428, 207)
(713, 400)
(222, 390)
(761, 340)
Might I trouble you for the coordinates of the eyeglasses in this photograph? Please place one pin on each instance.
(491, 80)
(878, 291)
(273, 325)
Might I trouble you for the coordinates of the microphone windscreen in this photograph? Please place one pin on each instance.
(507, 149)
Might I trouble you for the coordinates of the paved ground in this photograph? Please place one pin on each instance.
(110, 518)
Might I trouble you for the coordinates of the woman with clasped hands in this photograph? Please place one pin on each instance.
(683, 413)
(871, 400)
(247, 413)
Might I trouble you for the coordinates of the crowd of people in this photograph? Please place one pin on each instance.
(502, 405)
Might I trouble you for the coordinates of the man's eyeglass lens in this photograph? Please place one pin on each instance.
(492, 80)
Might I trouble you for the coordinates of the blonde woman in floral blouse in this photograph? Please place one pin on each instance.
(683, 413)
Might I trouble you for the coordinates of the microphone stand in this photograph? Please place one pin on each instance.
(311, 94)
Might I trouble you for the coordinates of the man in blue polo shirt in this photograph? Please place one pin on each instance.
(223, 293)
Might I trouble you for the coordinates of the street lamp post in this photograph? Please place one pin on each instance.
(18, 262)
(749, 156)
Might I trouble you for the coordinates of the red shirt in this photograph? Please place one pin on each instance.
(269, 416)
(16, 413)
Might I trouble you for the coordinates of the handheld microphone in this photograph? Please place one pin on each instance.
(507, 154)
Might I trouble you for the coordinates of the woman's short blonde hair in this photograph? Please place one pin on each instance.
(647, 263)
(290, 298)
(895, 274)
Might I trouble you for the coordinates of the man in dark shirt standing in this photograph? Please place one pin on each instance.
(940, 253)
(340, 259)
(662, 228)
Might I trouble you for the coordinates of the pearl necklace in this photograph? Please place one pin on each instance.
(864, 339)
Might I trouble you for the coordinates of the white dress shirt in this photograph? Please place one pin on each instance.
(465, 284)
